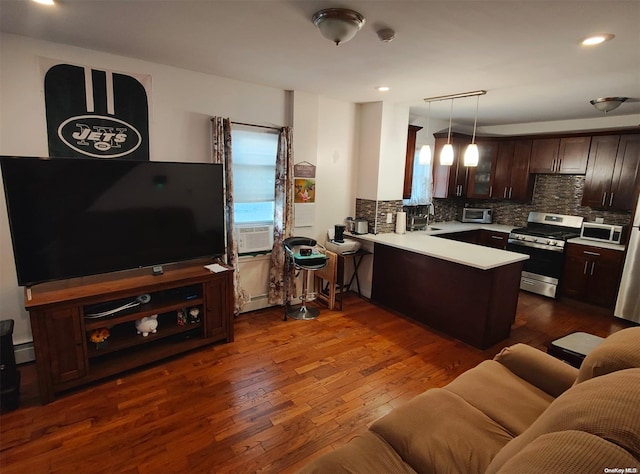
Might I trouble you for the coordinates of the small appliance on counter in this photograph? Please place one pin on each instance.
(477, 215)
(361, 226)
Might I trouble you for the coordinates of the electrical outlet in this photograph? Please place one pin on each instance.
(389, 217)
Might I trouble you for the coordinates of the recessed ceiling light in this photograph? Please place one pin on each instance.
(597, 39)
(383, 88)
(45, 2)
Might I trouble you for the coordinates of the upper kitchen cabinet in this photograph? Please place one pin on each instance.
(408, 164)
(566, 155)
(613, 172)
(512, 179)
(450, 181)
(481, 177)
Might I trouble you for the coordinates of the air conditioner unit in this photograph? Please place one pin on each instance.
(254, 238)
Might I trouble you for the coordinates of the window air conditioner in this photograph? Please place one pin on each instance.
(254, 238)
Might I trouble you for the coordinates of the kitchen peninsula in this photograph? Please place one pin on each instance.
(467, 291)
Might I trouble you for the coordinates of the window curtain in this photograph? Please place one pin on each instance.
(283, 219)
(221, 154)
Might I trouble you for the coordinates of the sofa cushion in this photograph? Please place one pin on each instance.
(438, 431)
(364, 453)
(621, 350)
(504, 397)
(606, 406)
(538, 368)
(569, 451)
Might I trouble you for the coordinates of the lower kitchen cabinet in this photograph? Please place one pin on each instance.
(592, 274)
(492, 238)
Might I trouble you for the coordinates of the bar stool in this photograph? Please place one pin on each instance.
(306, 255)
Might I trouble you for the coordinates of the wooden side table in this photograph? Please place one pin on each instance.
(325, 293)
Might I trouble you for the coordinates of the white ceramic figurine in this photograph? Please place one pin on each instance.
(147, 325)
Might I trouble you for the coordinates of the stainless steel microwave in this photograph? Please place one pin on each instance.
(471, 214)
(602, 232)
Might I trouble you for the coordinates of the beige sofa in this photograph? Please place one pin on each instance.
(522, 412)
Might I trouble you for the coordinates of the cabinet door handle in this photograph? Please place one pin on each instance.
(497, 237)
(490, 191)
(593, 265)
(595, 254)
(604, 197)
(504, 193)
(553, 166)
(559, 165)
(510, 191)
(586, 264)
(611, 199)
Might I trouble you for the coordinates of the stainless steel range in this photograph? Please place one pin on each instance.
(544, 241)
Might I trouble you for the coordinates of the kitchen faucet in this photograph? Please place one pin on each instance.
(430, 212)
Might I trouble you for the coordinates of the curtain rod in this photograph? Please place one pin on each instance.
(255, 125)
(455, 96)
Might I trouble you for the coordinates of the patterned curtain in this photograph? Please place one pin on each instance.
(221, 153)
(283, 221)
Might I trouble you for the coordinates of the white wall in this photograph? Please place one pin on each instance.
(181, 104)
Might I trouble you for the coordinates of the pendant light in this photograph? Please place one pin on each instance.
(424, 158)
(446, 155)
(472, 155)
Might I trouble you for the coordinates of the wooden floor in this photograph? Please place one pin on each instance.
(280, 395)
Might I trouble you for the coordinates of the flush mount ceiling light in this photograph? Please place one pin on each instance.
(338, 24)
(597, 39)
(45, 2)
(607, 104)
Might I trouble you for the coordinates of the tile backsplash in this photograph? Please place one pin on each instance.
(559, 194)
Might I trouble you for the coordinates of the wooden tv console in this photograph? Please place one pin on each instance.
(67, 358)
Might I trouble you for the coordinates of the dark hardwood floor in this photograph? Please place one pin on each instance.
(280, 395)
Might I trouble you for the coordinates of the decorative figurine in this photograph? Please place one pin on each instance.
(194, 315)
(182, 318)
(147, 325)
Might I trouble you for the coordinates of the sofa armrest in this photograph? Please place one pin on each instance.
(538, 368)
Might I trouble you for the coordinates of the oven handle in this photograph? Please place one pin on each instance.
(519, 243)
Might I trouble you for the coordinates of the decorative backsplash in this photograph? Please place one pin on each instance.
(558, 194)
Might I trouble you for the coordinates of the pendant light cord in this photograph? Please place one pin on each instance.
(475, 121)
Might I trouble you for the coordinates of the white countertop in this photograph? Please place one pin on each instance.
(424, 242)
(597, 244)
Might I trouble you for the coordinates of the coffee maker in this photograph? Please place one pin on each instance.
(339, 233)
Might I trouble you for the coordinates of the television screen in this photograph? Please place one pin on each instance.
(72, 217)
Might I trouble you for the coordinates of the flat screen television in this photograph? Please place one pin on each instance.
(73, 217)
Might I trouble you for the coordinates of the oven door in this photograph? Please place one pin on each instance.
(545, 262)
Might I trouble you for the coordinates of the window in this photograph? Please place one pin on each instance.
(254, 174)
(422, 182)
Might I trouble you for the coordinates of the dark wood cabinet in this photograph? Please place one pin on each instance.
(592, 274)
(481, 177)
(450, 181)
(409, 161)
(512, 180)
(566, 155)
(468, 236)
(613, 173)
(193, 307)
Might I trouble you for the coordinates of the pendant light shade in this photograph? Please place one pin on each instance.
(446, 155)
(424, 158)
(471, 155)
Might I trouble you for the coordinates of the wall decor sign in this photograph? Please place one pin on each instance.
(96, 113)
(304, 207)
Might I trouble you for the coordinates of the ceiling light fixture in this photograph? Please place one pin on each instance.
(45, 2)
(607, 104)
(597, 39)
(424, 157)
(338, 24)
(446, 154)
(472, 155)
(383, 88)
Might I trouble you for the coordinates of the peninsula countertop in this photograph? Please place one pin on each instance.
(426, 243)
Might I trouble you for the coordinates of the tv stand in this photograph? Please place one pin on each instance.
(66, 357)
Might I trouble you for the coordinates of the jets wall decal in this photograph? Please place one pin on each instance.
(96, 113)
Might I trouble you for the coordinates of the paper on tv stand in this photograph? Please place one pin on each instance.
(216, 268)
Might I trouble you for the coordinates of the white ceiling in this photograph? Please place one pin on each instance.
(526, 54)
